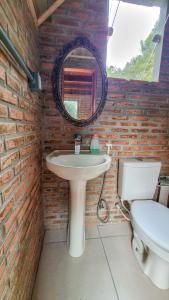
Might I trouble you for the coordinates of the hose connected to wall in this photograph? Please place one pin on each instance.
(120, 206)
(102, 203)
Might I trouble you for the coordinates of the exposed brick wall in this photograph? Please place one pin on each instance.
(135, 117)
(21, 218)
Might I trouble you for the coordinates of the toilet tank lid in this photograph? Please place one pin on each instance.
(140, 163)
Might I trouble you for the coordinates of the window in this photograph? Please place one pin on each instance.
(71, 107)
(135, 47)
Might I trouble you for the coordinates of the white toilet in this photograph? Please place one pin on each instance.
(150, 220)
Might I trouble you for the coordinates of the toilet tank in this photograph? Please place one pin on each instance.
(138, 178)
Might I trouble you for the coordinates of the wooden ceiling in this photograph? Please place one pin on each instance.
(41, 6)
(43, 9)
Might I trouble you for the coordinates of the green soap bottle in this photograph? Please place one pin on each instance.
(94, 146)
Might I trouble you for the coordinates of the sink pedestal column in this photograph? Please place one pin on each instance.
(77, 217)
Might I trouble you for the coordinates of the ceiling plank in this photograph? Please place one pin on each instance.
(49, 11)
(33, 12)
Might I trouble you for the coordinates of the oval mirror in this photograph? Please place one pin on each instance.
(79, 82)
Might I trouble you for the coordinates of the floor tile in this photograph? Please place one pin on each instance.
(115, 229)
(59, 235)
(130, 281)
(61, 277)
(55, 235)
(91, 232)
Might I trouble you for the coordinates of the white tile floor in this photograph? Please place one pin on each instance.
(106, 271)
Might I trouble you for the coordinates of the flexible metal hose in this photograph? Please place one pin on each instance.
(102, 203)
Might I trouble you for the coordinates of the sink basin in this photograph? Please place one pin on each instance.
(77, 169)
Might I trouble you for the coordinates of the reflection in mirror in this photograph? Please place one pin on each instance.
(80, 84)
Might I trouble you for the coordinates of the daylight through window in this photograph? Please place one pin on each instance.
(135, 47)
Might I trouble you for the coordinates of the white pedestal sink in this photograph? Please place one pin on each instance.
(77, 169)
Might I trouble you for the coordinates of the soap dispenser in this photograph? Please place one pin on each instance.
(94, 146)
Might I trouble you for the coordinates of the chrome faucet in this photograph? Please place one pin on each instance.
(78, 139)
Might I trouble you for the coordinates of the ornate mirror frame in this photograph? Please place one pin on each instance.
(85, 43)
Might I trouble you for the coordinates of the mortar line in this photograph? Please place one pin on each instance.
(111, 274)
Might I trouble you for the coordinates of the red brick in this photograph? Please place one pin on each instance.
(28, 116)
(11, 220)
(132, 148)
(21, 165)
(120, 118)
(21, 128)
(7, 96)
(21, 190)
(159, 131)
(6, 176)
(128, 124)
(120, 130)
(3, 111)
(14, 142)
(1, 146)
(149, 124)
(29, 138)
(23, 103)
(2, 73)
(7, 128)
(7, 160)
(26, 150)
(23, 210)
(150, 148)
(15, 114)
(9, 190)
(144, 154)
(6, 211)
(139, 118)
(140, 130)
(128, 136)
(12, 83)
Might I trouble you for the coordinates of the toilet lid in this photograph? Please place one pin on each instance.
(153, 220)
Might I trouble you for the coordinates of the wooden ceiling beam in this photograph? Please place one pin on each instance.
(49, 11)
(33, 12)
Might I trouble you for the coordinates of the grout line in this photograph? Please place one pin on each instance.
(57, 242)
(116, 236)
(108, 263)
(47, 243)
(91, 238)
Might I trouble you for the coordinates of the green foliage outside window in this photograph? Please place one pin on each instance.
(141, 66)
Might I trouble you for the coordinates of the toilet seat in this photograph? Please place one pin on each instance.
(151, 220)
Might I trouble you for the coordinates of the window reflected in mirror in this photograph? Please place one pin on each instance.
(72, 107)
